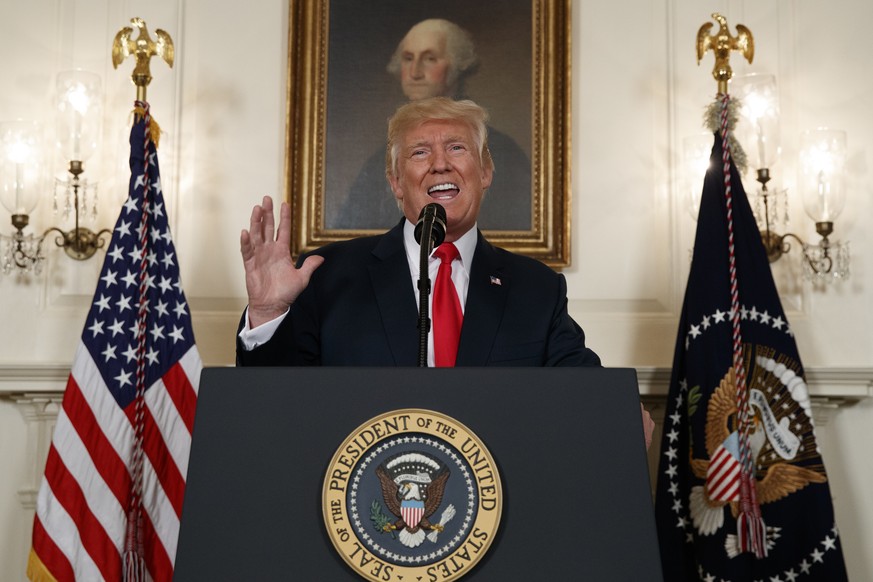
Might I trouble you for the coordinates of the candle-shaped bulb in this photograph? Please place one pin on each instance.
(78, 102)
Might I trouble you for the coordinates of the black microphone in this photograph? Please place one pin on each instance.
(431, 220)
(429, 233)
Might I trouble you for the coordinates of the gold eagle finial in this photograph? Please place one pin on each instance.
(722, 43)
(143, 48)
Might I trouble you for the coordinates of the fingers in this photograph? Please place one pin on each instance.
(256, 228)
(261, 222)
(283, 234)
(269, 224)
(245, 244)
(308, 267)
(648, 426)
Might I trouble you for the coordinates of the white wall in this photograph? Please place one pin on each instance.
(637, 91)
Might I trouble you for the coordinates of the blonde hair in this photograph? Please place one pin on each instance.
(414, 113)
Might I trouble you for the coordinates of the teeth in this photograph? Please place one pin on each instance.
(442, 187)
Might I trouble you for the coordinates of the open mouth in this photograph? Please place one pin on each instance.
(445, 191)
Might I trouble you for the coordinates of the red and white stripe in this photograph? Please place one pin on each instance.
(723, 476)
(80, 526)
(411, 515)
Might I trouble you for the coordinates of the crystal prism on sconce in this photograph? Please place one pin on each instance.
(22, 172)
(821, 181)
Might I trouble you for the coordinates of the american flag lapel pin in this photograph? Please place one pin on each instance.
(496, 280)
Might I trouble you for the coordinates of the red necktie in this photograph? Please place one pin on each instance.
(447, 316)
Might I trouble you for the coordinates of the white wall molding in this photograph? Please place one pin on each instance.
(40, 412)
(850, 384)
(829, 389)
(34, 390)
(21, 378)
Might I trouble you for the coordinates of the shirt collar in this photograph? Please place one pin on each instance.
(466, 246)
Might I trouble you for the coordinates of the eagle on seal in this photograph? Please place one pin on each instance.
(775, 478)
(412, 487)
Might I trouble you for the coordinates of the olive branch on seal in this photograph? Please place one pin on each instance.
(379, 519)
(694, 396)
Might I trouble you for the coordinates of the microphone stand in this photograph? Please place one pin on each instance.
(426, 246)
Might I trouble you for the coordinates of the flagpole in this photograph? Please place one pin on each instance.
(751, 529)
(722, 43)
(143, 48)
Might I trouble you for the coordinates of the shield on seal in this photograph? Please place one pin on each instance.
(411, 510)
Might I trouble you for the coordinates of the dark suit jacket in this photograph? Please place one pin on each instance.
(360, 310)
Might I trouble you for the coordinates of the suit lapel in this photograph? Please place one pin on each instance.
(395, 297)
(486, 300)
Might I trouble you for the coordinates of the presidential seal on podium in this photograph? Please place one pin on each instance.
(412, 495)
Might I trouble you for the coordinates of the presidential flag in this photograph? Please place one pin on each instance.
(111, 499)
(742, 491)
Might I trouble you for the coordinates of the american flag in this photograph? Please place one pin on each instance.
(115, 475)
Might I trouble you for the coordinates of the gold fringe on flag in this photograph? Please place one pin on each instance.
(36, 570)
(154, 128)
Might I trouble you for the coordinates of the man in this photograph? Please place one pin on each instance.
(361, 309)
(433, 59)
(354, 303)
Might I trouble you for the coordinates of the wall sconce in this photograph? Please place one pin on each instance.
(22, 171)
(821, 168)
(821, 181)
(21, 176)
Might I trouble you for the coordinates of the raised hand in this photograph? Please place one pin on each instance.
(273, 283)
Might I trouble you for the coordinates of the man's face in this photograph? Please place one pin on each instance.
(437, 161)
(424, 65)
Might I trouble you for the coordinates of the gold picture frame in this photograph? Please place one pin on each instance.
(314, 154)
